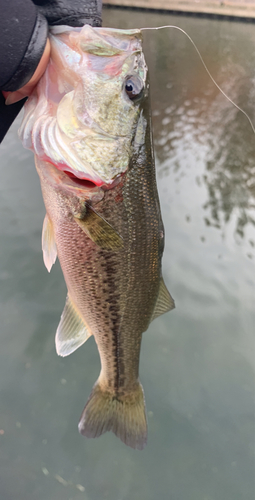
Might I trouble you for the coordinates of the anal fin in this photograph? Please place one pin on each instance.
(48, 244)
(164, 303)
(72, 331)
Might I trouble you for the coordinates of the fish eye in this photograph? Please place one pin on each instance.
(133, 87)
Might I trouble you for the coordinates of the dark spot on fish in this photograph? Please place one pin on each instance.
(112, 308)
(118, 198)
(121, 382)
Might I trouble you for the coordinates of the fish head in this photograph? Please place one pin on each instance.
(83, 117)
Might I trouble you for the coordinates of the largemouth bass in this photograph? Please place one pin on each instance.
(89, 124)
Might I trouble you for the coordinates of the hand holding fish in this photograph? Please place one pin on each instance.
(24, 50)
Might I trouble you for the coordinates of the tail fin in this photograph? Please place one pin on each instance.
(123, 415)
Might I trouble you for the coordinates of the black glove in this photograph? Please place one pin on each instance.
(71, 12)
(23, 35)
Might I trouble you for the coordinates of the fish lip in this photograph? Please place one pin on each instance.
(77, 176)
(69, 176)
(79, 182)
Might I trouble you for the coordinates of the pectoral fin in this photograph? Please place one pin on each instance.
(72, 331)
(99, 231)
(164, 302)
(48, 244)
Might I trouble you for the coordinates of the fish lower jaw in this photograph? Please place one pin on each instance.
(84, 178)
(82, 181)
(80, 177)
(92, 183)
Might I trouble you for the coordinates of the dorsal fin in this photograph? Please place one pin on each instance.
(72, 331)
(164, 302)
(48, 244)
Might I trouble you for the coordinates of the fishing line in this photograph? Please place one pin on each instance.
(207, 70)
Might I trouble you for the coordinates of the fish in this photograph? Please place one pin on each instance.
(89, 125)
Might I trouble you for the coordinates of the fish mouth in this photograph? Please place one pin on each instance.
(89, 184)
(65, 174)
(80, 177)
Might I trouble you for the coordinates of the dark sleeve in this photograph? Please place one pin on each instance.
(23, 35)
(8, 114)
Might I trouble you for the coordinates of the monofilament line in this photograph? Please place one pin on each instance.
(207, 70)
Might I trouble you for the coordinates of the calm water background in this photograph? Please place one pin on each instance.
(197, 363)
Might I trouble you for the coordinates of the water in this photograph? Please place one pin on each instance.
(197, 362)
